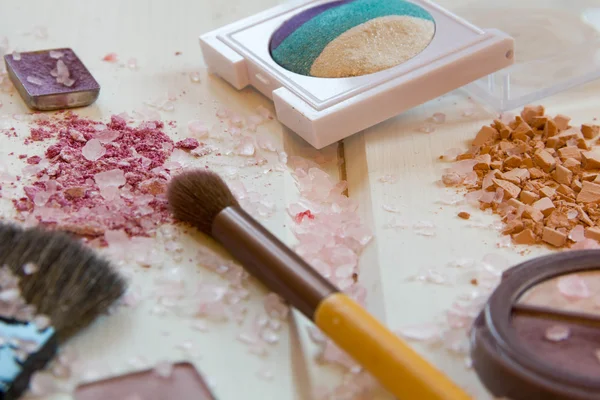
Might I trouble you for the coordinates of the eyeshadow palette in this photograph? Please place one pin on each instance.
(183, 383)
(52, 79)
(538, 336)
(334, 68)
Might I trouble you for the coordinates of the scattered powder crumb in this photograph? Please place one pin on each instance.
(540, 174)
(388, 179)
(464, 215)
(195, 77)
(132, 64)
(163, 369)
(111, 57)
(187, 144)
(557, 333)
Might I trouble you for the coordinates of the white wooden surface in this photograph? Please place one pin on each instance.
(151, 32)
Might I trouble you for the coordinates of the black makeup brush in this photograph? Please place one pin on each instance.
(202, 199)
(51, 287)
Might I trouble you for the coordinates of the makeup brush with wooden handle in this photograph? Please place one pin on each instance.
(202, 198)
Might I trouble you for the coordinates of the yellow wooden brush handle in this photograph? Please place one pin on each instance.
(400, 369)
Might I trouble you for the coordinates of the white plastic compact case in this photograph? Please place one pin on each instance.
(334, 68)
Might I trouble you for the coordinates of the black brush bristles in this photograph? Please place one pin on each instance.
(72, 284)
(197, 196)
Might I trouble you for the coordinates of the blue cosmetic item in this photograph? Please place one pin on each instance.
(24, 349)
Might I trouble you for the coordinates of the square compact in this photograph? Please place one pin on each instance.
(334, 68)
(538, 336)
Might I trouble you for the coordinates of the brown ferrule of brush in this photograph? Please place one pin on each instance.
(270, 261)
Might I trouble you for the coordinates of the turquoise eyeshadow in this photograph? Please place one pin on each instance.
(298, 51)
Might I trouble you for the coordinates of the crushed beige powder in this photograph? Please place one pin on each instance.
(541, 175)
(373, 46)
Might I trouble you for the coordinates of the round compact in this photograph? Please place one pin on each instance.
(352, 38)
(538, 336)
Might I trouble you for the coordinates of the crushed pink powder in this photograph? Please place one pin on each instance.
(122, 189)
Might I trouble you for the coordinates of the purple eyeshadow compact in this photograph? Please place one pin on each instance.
(538, 337)
(51, 79)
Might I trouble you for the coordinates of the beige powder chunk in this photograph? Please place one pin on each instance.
(528, 197)
(592, 233)
(584, 217)
(515, 203)
(522, 132)
(590, 159)
(510, 189)
(550, 128)
(465, 156)
(485, 135)
(527, 162)
(582, 144)
(513, 161)
(590, 131)
(576, 185)
(496, 165)
(533, 213)
(516, 176)
(536, 173)
(524, 237)
(504, 130)
(538, 122)
(547, 192)
(544, 160)
(483, 162)
(514, 226)
(569, 152)
(506, 145)
(566, 191)
(530, 112)
(545, 205)
(554, 237)
(563, 175)
(589, 176)
(562, 122)
(590, 193)
(572, 165)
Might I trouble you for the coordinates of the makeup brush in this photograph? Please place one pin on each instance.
(202, 198)
(51, 287)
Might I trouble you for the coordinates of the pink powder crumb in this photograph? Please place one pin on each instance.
(39, 134)
(65, 192)
(33, 160)
(22, 156)
(187, 144)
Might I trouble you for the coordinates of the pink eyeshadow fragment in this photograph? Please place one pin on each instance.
(187, 144)
(33, 160)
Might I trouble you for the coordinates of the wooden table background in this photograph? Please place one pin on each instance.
(151, 32)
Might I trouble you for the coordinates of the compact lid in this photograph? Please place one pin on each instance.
(538, 336)
(557, 47)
